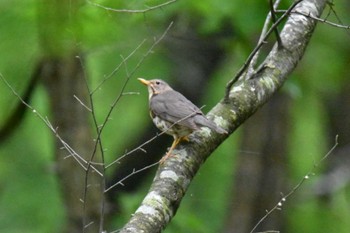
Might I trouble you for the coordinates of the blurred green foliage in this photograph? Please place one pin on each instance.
(29, 194)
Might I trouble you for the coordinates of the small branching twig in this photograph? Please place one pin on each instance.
(98, 143)
(120, 182)
(81, 102)
(81, 161)
(133, 150)
(284, 198)
(331, 9)
(133, 11)
(267, 23)
(257, 48)
(117, 68)
(273, 18)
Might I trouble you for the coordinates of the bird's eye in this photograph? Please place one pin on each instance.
(157, 82)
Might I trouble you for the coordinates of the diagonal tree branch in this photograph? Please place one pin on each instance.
(174, 176)
(16, 117)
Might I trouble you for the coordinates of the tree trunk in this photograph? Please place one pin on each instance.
(63, 79)
(261, 169)
(63, 76)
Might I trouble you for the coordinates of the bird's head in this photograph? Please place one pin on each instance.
(155, 86)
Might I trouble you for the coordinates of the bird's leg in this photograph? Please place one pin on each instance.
(168, 154)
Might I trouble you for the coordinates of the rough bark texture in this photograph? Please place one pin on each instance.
(174, 176)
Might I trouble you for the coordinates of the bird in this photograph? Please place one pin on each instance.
(174, 114)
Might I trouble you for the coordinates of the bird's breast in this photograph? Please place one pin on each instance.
(170, 128)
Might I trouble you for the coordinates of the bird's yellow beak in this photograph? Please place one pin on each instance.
(144, 81)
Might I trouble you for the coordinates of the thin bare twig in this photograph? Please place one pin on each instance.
(81, 102)
(81, 161)
(267, 22)
(120, 182)
(97, 144)
(117, 68)
(318, 19)
(133, 11)
(279, 205)
(331, 5)
(273, 18)
(133, 150)
(125, 66)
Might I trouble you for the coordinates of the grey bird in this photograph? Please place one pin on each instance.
(174, 114)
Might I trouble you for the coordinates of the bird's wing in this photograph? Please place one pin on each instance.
(172, 106)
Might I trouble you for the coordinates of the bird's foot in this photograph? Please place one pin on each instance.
(169, 153)
(185, 138)
(165, 157)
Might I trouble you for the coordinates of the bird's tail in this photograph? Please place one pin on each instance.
(208, 123)
(218, 129)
